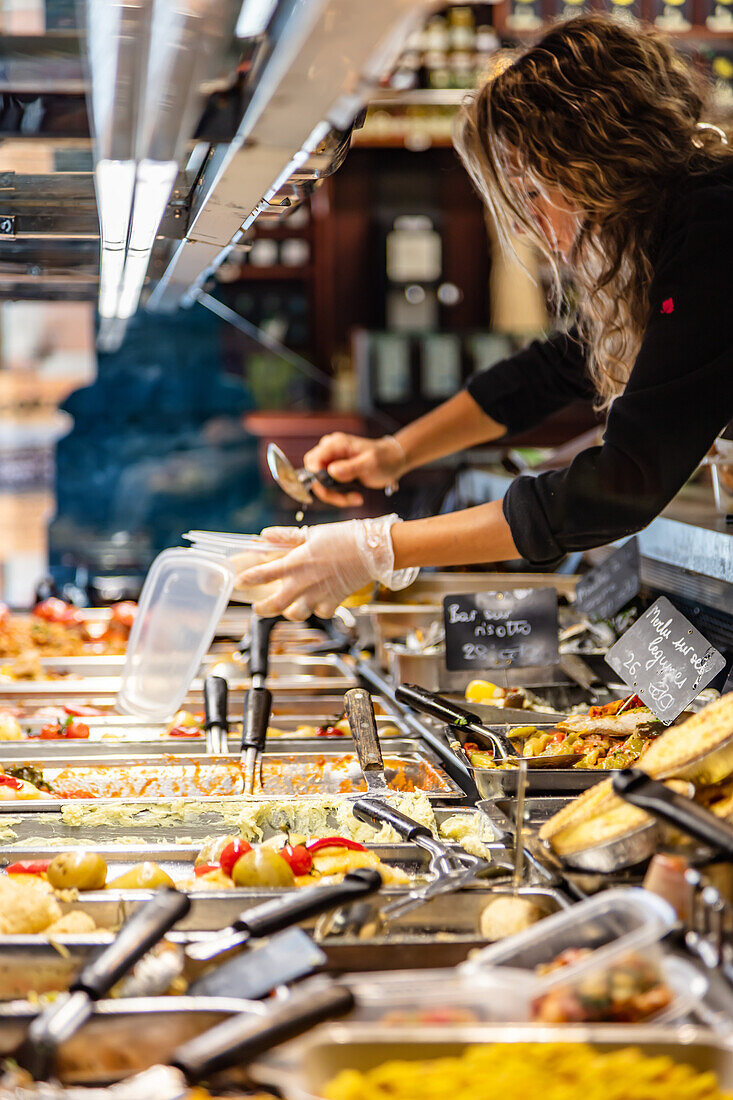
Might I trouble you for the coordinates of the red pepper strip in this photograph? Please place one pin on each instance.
(184, 731)
(11, 781)
(28, 867)
(206, 868)
(329, 731)
(335, 842)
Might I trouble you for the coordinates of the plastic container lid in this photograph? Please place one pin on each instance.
(184, 596)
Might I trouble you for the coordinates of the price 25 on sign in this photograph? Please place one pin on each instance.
(665, 660)
(489, 630)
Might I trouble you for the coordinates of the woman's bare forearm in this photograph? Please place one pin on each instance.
(468, 537)
(456, 424)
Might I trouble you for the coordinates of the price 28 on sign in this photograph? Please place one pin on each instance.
(488, 630)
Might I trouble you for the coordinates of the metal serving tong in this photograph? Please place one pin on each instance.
(465, 722)
(57, 1023)
(216, 725)
(257, 701)
(449, 870)
(237, 1040)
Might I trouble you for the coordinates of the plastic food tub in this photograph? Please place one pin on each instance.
(184, 596)
(619, 932)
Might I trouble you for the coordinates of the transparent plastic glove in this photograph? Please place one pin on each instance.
(326, 564)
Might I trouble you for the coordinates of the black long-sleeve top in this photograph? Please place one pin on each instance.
(678, 397)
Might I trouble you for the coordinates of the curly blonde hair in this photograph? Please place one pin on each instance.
(608, 115)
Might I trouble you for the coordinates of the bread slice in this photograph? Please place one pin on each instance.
(702, 733)
(587, 805)
(616, 819)
(619, 821)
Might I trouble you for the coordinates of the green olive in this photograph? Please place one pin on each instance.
(262, 867)
(77, 870)
(143, 876)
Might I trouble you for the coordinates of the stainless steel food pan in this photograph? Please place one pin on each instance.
(302, 1070)
(441, 932)
(108, 735)
(429, 670)
(186, 827)
(328, 672)
(493, 783)
(148, 780)
(125, 1036)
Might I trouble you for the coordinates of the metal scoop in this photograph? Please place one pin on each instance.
(464, 723)
(296, 483)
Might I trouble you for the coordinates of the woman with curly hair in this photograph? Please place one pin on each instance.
(591, 143)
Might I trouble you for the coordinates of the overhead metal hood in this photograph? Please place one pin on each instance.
(201, 117)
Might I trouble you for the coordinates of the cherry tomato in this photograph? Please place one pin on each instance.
(234, 850)
(329, 731)
(298, 857)
(206, 868)
(124, 613)
(11, 781)
(51, 732)
(54, 610)
(76, 730)
(335, 842)
(28, 867)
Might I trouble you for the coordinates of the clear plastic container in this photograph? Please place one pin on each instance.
(437, 998)
(620, 930)
(184, 596)
(445, 998)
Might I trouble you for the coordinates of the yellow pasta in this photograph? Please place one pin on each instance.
(554, 1071)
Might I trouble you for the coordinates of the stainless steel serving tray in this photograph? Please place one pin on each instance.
(440, 933)
(329, 672)
(494, 783)
(115, 735)
(220, 779)
(125, 1036)
(148, 834)
(301, 1070)
(314, 703)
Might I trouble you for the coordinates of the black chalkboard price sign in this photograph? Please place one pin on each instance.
(611, 585)
(665, 660)
(489, 630)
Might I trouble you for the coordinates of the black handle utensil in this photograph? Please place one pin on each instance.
(436, 706)
(636, 787)
(273, 916)
(216, 695)
(363, 724)
(64, 1017)
(257, 708)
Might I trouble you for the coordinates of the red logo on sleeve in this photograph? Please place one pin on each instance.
(667, 306)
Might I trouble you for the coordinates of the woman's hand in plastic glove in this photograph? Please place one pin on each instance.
(376, 463)
(326, 564)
